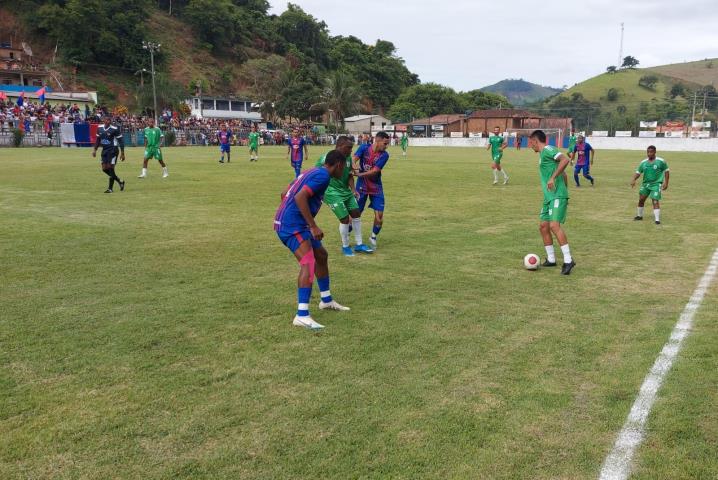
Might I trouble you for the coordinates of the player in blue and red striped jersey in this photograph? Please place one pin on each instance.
(296, 228)
(296, 151)
(224, 137)
(369, 161)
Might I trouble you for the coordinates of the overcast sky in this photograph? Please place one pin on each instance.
(469, 44)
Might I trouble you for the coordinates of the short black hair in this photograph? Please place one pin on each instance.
(539, 135)
(343, 140)
(382, 134)
(651, 147)
(333, 158)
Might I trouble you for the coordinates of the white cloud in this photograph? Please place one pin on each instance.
(470, 44)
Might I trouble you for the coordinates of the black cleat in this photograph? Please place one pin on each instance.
(546, 263)
(638, 218)
(567, 267)
(658, 222)
(108, 191)
(221, 161)
(122, 186)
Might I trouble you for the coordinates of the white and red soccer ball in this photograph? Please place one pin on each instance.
(531, 261)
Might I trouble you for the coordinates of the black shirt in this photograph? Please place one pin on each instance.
(109, 137)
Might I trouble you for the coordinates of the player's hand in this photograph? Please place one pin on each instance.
(633, 184)
(664, 187)
(356, 194)
(316, 232)
(94, 153)
(122, 157)
(551, 184)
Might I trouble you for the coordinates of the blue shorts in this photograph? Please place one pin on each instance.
(376, 202)
(224, 147)
(293, 240)
(577, 169)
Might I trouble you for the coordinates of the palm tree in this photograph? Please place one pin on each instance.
(340, 95)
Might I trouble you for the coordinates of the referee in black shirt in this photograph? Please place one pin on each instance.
(110, 138)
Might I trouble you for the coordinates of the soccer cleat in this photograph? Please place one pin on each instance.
(333, 305)
(221, 161)
(637, 217)
(108, 190)
(567, 267)
(347, 251)
(546, 263)
(658, 222)
(593, 182)
(306, 322)
(362, 249)
(506, 180)
(122, 186)
(142, 176)
(496, 182)
(165, 175)
(372, 240)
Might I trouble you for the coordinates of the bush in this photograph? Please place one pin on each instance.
(17, 136)
(170, 137)
(612, 94)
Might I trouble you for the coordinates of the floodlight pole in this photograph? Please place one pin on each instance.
(153, 47)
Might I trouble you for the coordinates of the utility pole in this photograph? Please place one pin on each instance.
(199, 88)
(153, 47)
(620, 49)
(703, 112)
(693, 115)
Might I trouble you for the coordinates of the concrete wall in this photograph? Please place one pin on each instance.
(599, 143)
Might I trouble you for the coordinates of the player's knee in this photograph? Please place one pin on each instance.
(309, 261)
(555, 227)
(345, 220)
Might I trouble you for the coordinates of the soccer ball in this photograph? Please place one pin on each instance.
(531, 261)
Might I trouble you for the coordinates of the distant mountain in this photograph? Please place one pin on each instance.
(521, 92)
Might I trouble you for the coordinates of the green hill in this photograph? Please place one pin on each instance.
(617, 101)
(521, 92)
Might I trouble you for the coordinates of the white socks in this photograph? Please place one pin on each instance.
(640, 211)
(496, 176)
(550, 254)
(164, 170)
(505, 174)
(356, 226)
(144, 172)
(657, 214)
(566, 254)
(344, 233)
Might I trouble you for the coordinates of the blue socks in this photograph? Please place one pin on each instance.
(324, 289)
(376, 230)
(303, 296)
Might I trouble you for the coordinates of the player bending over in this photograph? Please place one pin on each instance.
(655, 179)
(341, 196)
(497, 144)
(368, 162)
(110, 137)
(296, 228)
(552, 164)
(153, 148)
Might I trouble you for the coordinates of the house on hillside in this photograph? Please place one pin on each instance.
(17, 66)
(223, 108)
(360, 124)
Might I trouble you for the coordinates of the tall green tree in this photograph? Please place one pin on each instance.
(340, 95)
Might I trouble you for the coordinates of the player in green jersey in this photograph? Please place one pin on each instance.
(153, 148)
(552, 164)
(253, 144)
(655, 179)
(341, 196)
(497, 144)
(572, 139)
(404, 142)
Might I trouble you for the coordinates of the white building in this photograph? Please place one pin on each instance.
(225, 108)
(365, 124)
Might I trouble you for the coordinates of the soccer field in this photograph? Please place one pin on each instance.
(147, 333)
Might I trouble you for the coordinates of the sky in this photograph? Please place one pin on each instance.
(468, 44)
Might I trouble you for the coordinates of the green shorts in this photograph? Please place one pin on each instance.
(253, 148)
(554, 210)
(652, 190)
(496, 157)
(341, 203)
(153, 152)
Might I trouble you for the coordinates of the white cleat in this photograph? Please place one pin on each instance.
(506, 180)
(372, 241)
(142, 176)
(495, 182)
(333, 305)
(307, 322)
(165, 175)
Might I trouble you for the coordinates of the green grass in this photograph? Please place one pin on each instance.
(147, 334)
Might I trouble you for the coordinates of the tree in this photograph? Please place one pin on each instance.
(678, 90)
(648, 81)
(480, 100)
(611, 69)
(402, 112)
(433, 99)
(612, 94)
(340, 95)
(306, 33)
(630, 62)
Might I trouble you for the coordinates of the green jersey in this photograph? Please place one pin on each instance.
(404, 142)
(496, 143)
(254, 140)
(571, 142)
(338, 185)
(153, 136)
(653, 171)
(548, 163)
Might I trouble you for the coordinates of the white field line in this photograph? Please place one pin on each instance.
(617, 465)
